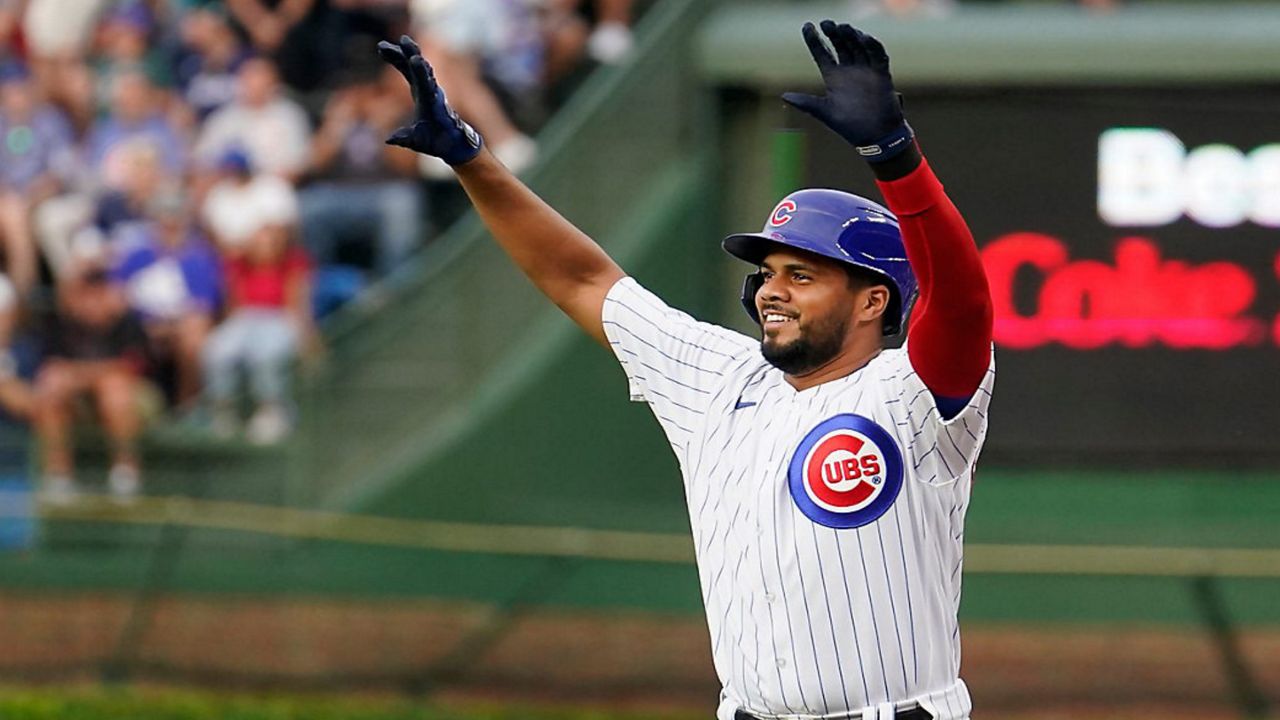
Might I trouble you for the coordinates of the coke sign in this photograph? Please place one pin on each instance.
(1138, 298)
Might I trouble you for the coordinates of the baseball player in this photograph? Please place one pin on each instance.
(827, 477)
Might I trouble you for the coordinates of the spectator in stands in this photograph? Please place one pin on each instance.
(110, 155)
(142, 177)
(172, 278)
(124, 45)
(270, 23)
(268, 324)
(271, 128)
(468, 40)
(16, 399)
(211, 58)
(305, 38)
(227, 211)
(611, 40)
(136, 112)
(58, 33)
(35, 160)
(94, 346)
(363, 189)
(311, 40)
(10, 16)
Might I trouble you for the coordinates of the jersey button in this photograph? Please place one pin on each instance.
(782, 662)
(769, 597)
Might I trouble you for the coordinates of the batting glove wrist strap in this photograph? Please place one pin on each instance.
(889, 146)
(437, 130)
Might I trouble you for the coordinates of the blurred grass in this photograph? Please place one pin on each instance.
(149, 703)
(99, 703)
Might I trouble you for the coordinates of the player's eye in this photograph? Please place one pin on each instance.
(800, 277)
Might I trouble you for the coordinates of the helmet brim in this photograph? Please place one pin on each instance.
(755, 247)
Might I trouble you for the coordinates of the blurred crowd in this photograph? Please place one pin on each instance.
(186, 186)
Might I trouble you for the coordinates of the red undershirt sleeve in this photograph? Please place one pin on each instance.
(950, 333)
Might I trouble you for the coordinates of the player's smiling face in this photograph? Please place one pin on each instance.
(812, 310)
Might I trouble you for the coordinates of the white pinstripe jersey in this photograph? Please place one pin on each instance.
(828, 523)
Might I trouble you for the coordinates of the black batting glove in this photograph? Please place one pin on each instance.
(437, 130)
(860, 105)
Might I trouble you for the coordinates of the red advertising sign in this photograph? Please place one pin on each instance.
(1139, 298)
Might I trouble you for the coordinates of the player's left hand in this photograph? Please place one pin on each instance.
(860, 105)
(437, 130)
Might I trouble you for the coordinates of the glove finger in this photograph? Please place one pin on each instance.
(805, 103)
(853, 40)
(423, 80)
(394, 56)
(875, 52)
(401, 137)
(834, 36)
(409, 47)
(817, 49)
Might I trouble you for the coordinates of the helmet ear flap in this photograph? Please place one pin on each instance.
(904, 313)
(750, 286)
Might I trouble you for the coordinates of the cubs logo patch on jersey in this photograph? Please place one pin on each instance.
(846, 472)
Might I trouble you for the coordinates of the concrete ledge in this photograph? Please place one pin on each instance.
(1034, 44)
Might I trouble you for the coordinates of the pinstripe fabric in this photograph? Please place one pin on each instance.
(808, 620)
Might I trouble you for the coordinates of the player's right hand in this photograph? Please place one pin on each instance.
(437, 130)
(860, 105)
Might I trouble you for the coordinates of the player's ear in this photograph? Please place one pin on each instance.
(872, 303)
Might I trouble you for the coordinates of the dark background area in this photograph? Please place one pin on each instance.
(1025, 160)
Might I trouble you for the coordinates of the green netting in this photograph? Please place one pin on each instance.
(464, 334)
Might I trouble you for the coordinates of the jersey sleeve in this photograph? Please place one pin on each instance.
(672, 361)
(936, 449)
(951, 327)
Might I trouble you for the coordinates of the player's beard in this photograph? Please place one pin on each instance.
(817, 345)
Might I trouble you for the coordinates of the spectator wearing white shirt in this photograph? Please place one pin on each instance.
(227, 211)
(272, 129)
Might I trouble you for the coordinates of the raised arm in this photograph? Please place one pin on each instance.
(951, 328)
(566, 265)
(950, 333)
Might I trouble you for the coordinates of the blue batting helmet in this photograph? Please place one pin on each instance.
(843, 227)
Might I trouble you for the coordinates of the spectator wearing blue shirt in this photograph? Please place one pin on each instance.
(109, 157)
(135, 113)
(37, 154)
(172, 278)
(211, 57)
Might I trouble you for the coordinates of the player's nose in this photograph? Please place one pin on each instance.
(772, 289)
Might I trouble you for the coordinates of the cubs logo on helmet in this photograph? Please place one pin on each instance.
(846, 473)
(782, 214)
